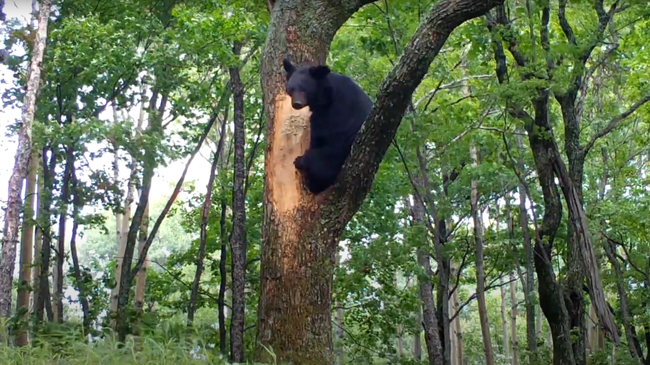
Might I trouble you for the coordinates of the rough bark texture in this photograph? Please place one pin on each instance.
(300, 231)
(26, 247)
(38, 241)
(14, 203)
(238, 237)
(457, 332)
(480, 270)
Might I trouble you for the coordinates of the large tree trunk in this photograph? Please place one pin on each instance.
(14, 203)
(238, 237)
(301, 232)
(26, 247)
(480, 271)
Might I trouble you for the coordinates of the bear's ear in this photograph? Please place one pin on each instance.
(288, 66)
(319, 72)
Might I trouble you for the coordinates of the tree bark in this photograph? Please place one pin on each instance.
(38, 242)
(26, 247)
(300, 231)
(480, 272)
(14, 202)
(456, 330)
(238, 237)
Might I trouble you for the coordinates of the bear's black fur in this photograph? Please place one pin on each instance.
(338, 109)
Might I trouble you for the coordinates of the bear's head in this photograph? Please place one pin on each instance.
(307, 85)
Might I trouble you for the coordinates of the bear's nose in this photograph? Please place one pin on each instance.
(296, 104)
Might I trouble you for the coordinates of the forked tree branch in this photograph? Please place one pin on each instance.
(615, 122)
(392, 100)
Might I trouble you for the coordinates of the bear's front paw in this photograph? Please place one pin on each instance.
(299, 163)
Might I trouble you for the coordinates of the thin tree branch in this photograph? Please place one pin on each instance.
(614, 123)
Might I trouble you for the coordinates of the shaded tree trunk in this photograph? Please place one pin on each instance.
(223, 345)
(480, 271)
(63, 217)
(38, 243)
(301, 232)
(14, 202)
(81, 286)
(26, 247)
(529, 282)
(141, 275)
(456, 330)
(43, 303)
(429, 315)
(238, 237)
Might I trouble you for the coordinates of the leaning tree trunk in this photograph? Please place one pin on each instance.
(300, 231)
(12, 215)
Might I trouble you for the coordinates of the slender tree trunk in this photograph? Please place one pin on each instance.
(429, 316)
(301, 231)
(26, 247)
(340, 333)
(14, 203)
(154, 129)
(44, 303)
(141, 276)
(223, 345)
(529, 282)
(205, 214)
(38, 243)
(513, 319)
(238, 237)
(123, 220)
(630, 336)
(504, 321)
(480, 273)
(60, 252)
(81, 286)
(417, 337)
(457, 331)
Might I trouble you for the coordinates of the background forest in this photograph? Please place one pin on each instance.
(497, 198)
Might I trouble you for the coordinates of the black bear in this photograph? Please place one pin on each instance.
(338, 109)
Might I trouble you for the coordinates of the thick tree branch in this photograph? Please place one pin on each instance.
(394, 97)
(614, 123)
